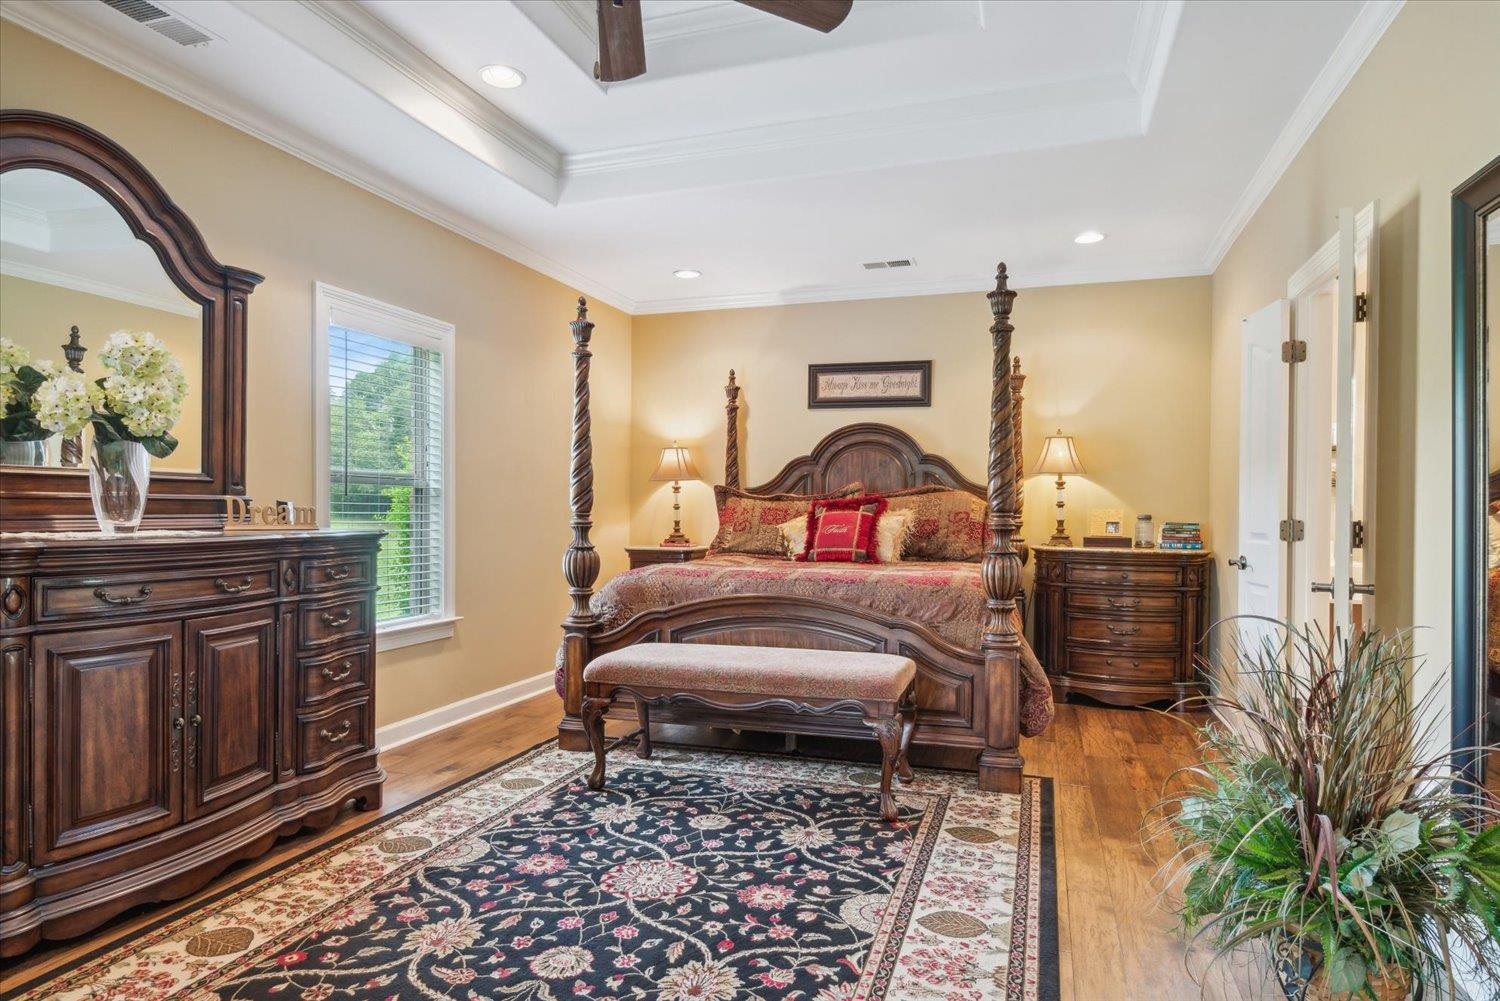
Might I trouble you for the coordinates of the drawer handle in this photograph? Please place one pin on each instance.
(1122, 630)
(121, 599)
(337, 573)
(327, 672)
(1110, 661)
(1124, 574)
(228, 588)
(1124, 602)
(338, 622)
(339, 737)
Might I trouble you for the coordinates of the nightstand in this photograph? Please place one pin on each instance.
(644, 556)
(1121, 625)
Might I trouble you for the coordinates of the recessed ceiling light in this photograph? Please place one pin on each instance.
(1088, 236)
(687, 273)
(504, 77)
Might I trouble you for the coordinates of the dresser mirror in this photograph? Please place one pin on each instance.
(71, 273)
(1476, 474)
(92, 244)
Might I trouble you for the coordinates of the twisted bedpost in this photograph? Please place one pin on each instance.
(732, 433)
(1000, 761)
(580, 563)
(1017, 383)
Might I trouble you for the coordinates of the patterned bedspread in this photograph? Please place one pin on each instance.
(948, 598)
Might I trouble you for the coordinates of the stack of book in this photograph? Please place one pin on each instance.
(1181, 535)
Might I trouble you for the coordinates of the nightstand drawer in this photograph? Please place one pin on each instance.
(336, 572)
(337, 620)
(332, 734)
(1125, 601)
(333, 675)
(1121, 665)
(1158, 576)
(1119, 630)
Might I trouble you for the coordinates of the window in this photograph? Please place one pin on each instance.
(384, 413)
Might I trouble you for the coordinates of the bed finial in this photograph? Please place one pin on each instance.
(732, 433)
(580, 563)
(583, 308)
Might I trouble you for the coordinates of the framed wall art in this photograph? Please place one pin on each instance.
(869, 384)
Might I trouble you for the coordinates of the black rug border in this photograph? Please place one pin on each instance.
(1049, 973)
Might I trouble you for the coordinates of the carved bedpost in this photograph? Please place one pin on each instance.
(1000, 761)
(1017, 383)
(732, 433)
(581, 562)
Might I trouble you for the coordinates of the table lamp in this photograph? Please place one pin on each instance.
(674, 467)
(1059, 457)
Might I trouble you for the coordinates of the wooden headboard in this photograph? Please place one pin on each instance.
(881, 457)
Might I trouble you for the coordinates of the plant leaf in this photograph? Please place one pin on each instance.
(1346, 972)
(1403, 831)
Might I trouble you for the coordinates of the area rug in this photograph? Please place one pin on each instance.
(700, 875)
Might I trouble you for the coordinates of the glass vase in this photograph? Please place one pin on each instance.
(119, 475)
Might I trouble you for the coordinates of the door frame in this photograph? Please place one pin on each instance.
(1472, 201)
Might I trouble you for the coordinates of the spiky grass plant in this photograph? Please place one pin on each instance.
(1314, 818)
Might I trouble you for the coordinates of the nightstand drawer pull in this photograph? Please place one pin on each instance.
(1123, 630)
(121, 599)
(339, 737)
(347, 669)
(228, 588)
(337, 573)
(1124, 602)
(337, 622)
(1110, 661)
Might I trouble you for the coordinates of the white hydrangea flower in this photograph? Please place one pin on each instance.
(64, 404)
(147, 386)
(12, 357)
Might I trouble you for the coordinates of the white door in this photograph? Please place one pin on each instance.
(1264, 435)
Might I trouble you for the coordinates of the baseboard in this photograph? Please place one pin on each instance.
(409, 729)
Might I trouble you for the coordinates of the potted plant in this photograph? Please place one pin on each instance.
(1316, 826)
(131, 410)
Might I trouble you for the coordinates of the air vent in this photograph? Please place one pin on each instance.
(163, 22)
(881, 265)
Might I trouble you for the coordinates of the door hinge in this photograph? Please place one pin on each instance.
(1292, 530)
(1361, 307)
(1293, 351)
(1357, 535)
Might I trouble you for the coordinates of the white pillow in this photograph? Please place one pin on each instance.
(890, 534)
(794, 535)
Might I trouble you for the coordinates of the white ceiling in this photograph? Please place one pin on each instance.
(773, 158)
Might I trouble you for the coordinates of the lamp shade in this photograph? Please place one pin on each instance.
(1059, 456)
(675, 464)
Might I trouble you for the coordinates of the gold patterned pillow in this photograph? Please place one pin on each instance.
(946, 524)
(751, 523)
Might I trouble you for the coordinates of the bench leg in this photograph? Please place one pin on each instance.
(888, 732)
(908, 713)
(593, 725)
(643, 713)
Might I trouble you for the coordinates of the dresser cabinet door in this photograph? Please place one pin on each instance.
(231, 706)
(107, 721)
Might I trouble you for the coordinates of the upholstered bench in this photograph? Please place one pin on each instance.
(878, 687)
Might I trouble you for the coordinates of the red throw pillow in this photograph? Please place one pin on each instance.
(842, 530)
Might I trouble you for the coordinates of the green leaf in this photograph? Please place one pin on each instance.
(160, 446)
(22, 427)
(1346, 972)
(1403, 831)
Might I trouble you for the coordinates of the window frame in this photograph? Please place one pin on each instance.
(381, 319)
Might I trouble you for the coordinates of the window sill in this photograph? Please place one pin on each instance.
(426, 630)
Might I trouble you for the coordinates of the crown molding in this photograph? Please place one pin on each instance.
(106, 50)
(900, 290)
(1150, 49)
(82, 283)
(1369, 25)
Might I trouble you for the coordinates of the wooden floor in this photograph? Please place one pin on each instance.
(1107, 767)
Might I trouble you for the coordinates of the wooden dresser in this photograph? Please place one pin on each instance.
(1121, 625)
(173, 702)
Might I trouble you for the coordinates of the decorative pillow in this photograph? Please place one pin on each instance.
(947, 524)
(843, 530)
(750, 523)
(890, 535)
(793, 535)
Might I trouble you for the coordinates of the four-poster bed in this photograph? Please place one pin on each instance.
(968, 687)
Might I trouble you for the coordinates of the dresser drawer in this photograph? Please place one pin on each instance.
(335, 572)
(90, 597)
(1158, 576)
(335, 621)
(1125, 601)
(1121, 665)
(1119, 630)
(333, 734)
(334, 675)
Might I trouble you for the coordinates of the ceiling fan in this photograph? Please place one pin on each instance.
(622, 44)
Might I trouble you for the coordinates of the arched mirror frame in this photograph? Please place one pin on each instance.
(58, 499)
(1473, 202)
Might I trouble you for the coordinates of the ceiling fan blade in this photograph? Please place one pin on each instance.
(622, 44)
(822, 15)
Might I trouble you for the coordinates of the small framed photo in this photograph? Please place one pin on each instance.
(1106, 521)
(869, 384)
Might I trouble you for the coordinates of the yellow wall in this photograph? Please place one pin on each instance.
(37, 317)
(262, 209)
(1122, 367)
(1419, 117)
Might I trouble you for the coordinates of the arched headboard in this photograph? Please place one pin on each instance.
(881, 457)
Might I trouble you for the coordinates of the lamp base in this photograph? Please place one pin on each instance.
(677, 539)
(1060, 540)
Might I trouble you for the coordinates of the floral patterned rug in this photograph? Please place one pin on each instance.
(700, 875)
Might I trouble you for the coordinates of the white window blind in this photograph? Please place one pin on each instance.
(385, 456)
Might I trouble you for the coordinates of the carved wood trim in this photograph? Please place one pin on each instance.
(813, 473)
(581, 561)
